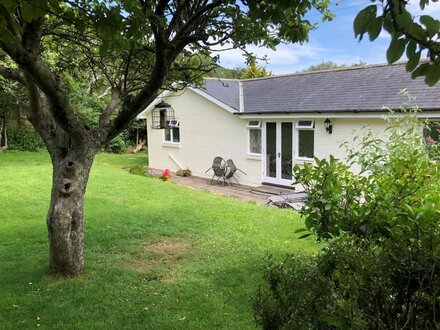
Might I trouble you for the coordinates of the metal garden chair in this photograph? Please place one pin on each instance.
(231, 172)
(219, 169)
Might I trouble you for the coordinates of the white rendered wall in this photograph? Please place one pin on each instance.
(207, 131)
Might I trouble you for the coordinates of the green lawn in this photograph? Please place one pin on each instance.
(158, 256)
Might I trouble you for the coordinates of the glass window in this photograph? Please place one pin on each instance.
(255, 141)
(305, 124)
(254, 124)
(306, 142)
(172, 134)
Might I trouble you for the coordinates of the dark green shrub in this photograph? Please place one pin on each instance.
(139, 170)
(117, 145)
(395, 175)
(294, 296)
(23, 139)
(381, 267)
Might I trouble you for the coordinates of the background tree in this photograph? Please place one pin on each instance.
(12, 97)
(221, 72)
(136, 49)
(255, 71)
(328, 65)
(410, 33)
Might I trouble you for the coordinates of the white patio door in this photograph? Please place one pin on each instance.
(278, 153)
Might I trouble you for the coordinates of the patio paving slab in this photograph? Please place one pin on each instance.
(259, 195)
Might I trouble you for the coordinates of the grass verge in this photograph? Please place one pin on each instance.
(158, 255)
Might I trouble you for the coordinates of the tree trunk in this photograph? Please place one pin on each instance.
(65, 220)
(4, 133)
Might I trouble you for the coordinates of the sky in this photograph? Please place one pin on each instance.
(331, 41)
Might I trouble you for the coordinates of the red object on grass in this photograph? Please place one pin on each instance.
(166, 173)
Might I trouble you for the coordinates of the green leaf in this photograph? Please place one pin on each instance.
(363, 19)
(411, 49)
(9, 4)
(395, 50)
(34, 10)
(374, 28)
(432, 25)
(304, 236)
(404, 20)
(300, 230)
(413, 62)
(420, 71)
(432, 74)
(308, 223)
(104, 48)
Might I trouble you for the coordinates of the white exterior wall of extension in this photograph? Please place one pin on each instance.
(207, 131)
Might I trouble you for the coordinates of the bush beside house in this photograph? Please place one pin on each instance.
(381, 266)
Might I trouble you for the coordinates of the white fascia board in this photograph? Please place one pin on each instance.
(213, 100)
(346, 115)
(150, 107)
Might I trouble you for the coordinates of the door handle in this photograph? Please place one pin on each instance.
(279, 155)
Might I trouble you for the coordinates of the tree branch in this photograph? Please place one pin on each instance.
(41, 119)
(111, 106)
(12, 74)
(47, 81)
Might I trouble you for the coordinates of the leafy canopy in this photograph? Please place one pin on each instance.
(136, 47)
(411, 34)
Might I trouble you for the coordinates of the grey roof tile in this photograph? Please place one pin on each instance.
(225, 90)
(367, 88)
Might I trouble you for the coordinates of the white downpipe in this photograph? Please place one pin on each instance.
(240, 97)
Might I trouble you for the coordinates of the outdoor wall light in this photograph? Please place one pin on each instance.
(328, 126)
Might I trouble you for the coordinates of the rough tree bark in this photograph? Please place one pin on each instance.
(4, 133)
(65, 220)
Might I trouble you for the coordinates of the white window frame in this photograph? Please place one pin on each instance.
(311, 126)
(298, 128)
(174, 123)
(254, 127)
(165, 141)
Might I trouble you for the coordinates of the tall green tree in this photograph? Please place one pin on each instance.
(138, 47)
(255, 71)
(411, 34)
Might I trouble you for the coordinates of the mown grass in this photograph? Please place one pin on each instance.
(158, 255)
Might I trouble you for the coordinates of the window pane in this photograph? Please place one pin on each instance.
(176, 134)
(255, 141)
(167, 134)
(306, 143)
(254, 123)
(305, 123)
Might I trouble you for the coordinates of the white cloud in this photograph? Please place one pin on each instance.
(287, 58)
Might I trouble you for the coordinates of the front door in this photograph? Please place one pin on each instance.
(278, 153)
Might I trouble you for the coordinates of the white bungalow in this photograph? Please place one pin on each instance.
(269, 124)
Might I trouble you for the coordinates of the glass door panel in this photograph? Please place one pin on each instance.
(286, 150)
(271, 150)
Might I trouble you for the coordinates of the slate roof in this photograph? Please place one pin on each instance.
(225, 90)
(357, 89)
